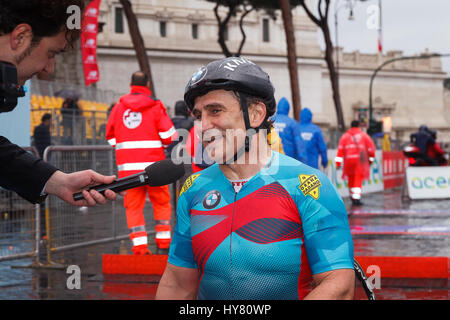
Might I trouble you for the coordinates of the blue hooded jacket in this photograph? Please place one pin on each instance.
(312, 142)
(287, 129)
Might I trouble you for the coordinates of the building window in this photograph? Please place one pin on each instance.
(118, 20)
(162, 29)
(266, 30)
(194, 31)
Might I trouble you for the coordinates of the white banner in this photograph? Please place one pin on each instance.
(428, 182)
(374, 184)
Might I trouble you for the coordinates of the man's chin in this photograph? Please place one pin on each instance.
(22, 81)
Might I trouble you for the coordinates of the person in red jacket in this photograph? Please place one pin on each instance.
(357, 151)
(434, 151)
(140, 129)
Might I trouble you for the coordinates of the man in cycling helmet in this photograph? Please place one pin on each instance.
(256, 224)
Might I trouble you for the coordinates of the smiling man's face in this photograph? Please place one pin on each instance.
(222, 124)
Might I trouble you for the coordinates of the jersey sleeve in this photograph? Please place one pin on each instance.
(180, 252)
(327, 237)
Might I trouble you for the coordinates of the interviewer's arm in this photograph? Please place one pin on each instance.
(178, 283)
(333, 285)
(64, 185)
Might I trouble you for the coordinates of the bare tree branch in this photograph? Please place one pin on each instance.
(309, 13)
(138, 41)
(319, 9)
(241, 26)
(322, 23)
(222, 24)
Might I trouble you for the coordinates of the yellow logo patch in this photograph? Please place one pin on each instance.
(188, 183)
(309, 185)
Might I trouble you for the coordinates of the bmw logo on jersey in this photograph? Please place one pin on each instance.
(211, 199)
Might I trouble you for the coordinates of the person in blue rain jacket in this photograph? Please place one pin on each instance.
(287, 129)
(312, 142)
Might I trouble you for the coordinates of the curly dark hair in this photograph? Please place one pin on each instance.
(47, 18)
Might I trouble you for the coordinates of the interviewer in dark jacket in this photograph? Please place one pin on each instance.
(31, 34)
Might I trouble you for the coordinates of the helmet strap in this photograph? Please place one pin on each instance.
(244, 107)
(248, 133)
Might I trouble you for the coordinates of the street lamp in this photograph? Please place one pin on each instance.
(349, 4)
(372, 78)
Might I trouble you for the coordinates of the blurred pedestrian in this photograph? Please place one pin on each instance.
(69, 111)
(357, 151)
(425, 140)
(422, 139)
(41, 134)
(102, 128)
(140, 129)
(287, 129)
(181, 120)
(312, 142)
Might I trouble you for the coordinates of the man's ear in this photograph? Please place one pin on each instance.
(21, 36)
(257, 114)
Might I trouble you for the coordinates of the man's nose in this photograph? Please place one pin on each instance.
(50, 67)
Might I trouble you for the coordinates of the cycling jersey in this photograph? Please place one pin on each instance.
(264, 242)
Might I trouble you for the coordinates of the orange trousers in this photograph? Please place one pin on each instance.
(134, 203)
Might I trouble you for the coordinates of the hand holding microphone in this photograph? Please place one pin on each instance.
(160, 173)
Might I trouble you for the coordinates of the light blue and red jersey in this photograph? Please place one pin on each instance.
(264, 242)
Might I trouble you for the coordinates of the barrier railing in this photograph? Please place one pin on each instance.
(20, 223)
(394, 167)
(71, 227)
(89, 128)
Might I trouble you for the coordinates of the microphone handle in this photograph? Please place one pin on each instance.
(140, 179)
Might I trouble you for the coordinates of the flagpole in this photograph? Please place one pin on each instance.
(380, 32)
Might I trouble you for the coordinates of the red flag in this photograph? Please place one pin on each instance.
(380, 45)
(89, 28)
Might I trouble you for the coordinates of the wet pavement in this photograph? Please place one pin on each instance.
(384, 226)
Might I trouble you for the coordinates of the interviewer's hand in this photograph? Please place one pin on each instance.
(64, 185)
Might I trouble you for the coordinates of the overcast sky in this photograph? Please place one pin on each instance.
(407, 25)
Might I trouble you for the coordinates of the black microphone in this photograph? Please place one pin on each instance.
(160, 173)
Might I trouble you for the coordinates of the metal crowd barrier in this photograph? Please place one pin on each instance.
(70, 227)
(19, 225)
(86, 129)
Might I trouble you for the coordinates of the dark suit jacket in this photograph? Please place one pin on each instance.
(22, 172)
(42, 138)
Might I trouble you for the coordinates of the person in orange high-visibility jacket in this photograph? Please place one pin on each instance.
(357, 151)
(140, 129)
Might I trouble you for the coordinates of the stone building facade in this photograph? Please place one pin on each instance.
(181, 35)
